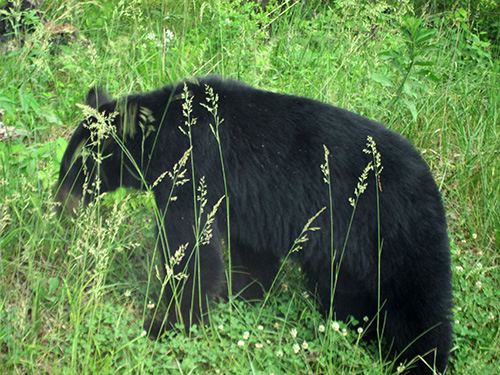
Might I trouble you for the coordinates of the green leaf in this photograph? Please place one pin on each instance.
(424, 36)
(382, 79)
(51, 118)
(53, 285)
(424, 63)
(413, 109)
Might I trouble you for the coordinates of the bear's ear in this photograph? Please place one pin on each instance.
(96, 97)
(132, 116)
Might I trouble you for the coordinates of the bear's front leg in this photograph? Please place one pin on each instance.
(193, 271)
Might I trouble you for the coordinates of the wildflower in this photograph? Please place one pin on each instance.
(459, 268)
(366, 319)
(479, 266)
(169, 36)
(246, 335)
(344, 332)
(293, 332)
(474, 236)
(321, 328)
(259, 345)
(221, 327)
(360, 330)
(260, 328)
(296, 348)
(279, 353)
(479, 285)
(335, 326)
(276, 326)
(305, 345)
(241, 343)
(143, 333)
(151, 305)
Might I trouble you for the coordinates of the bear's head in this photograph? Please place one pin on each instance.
(101, 154)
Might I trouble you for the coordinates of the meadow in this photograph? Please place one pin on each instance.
(74, 292)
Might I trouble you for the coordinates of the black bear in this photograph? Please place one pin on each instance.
(228, 162)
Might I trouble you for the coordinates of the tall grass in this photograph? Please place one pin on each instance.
(74, 293)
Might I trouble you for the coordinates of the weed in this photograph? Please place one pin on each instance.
(75, 293)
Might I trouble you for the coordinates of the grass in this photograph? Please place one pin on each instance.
(73, 294)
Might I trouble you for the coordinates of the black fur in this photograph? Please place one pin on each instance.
(272, 147)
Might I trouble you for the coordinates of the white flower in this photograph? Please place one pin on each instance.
(259, 345)
(169, 36)
(360, 330)
(241, 343)
(260, 328)
(296, 348)
(221, 327)
(293, 332)
(335, 326)
(321, 328)
(279, 353)
(246, 335)
(305, 345)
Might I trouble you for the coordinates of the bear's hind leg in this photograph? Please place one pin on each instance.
(419, 328)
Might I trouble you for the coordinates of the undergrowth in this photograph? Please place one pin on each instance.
(75, 292)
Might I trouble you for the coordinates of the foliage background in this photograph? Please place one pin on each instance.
(74, 293)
